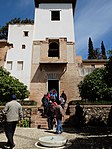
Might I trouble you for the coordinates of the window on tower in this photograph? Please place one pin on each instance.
(55, 15)
(9, 65)
(25, 33)
(53, 48)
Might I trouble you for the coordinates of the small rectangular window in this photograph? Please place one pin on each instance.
(20, 65)
(23, 46)
(55, 15)
(93, 66)
(11, 46)
(25, 33)
(9, 65)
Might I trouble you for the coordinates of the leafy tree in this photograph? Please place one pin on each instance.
(97, 53)
(4, 32)
(4, 29)
(108, 76)
(98, 84)
(93, 86)
(109, 52)
(91, 53)
(27, 21)
(10, 85)
(103, 51)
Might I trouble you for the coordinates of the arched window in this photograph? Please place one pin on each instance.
(53, 49)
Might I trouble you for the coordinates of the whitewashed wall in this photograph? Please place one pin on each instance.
(16, 37)
(44, 27)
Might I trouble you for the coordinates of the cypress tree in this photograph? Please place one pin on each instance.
(91, 54)
(103, 51)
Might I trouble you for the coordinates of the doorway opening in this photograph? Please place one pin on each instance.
(53, 84)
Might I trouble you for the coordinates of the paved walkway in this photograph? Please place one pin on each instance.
(25, 138)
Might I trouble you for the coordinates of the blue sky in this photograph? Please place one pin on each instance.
(93, 18)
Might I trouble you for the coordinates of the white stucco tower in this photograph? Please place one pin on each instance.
(53, 54)
(54, 19)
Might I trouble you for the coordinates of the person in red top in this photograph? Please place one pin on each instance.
(48, 95)
(53, 100)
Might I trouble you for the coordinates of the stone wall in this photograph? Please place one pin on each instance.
(3, 50)
(64, 69)
(95, 115)
(28, 112)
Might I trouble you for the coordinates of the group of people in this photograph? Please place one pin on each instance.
(54, 109)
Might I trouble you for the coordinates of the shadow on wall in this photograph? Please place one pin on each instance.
(76, 120)
(39, 76)
(79, 118)
(109, 120)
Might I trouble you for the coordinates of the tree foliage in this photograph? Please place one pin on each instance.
(109, 52)
(98, 84)
(90, 49)
(96, 53)
(10, 85)
(4, 29)
(108, 76)
(93, 86)
(103, 51)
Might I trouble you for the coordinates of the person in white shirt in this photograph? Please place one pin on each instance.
(13, 112)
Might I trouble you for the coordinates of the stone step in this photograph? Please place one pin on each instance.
(38, 120)
(44, 126)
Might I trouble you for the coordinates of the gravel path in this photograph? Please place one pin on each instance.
(25, 138)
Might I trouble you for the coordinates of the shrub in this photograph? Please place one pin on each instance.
(10, 85)
(93, 87)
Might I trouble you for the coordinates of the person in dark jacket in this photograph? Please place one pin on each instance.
(59, 115)
(45, 103)
(50, 114)
(13, 112)
(63, 95)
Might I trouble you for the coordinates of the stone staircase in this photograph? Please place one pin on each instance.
(38, 120)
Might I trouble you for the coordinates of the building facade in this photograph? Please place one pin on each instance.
(43, 55)
(4, 46)
(53, 53)
(18, 57)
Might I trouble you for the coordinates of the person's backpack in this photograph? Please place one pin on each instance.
(52, 108)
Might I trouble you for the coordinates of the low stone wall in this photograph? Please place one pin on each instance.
(96, 115)
(28, 111)
(92, 115)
